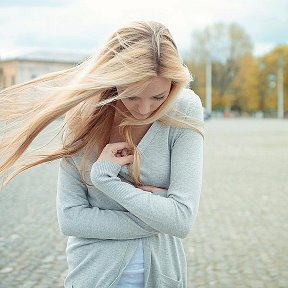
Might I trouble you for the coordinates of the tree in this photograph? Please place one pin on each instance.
(268, 66)
(225, 46)
(245, 87)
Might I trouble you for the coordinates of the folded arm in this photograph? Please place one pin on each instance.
(76, 217)
(175, 214)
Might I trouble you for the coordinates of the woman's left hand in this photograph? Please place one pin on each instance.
(152, 188)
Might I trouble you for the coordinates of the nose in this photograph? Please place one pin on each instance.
(144, 108)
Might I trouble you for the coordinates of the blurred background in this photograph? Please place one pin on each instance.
(237, 52)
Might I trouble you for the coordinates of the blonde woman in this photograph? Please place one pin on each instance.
(131, 157)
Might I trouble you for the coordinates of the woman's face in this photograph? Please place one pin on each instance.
(144, 104)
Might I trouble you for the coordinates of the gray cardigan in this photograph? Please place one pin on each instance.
(105, 221)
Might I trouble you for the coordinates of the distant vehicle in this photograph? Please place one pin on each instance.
(206, 114)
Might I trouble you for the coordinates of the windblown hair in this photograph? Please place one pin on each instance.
(86, 95)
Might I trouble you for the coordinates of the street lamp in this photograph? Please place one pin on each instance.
(280, 87)
(208, 77)
(274, 80)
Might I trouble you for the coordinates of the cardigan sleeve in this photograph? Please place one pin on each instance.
(77, 218)
(175, 214)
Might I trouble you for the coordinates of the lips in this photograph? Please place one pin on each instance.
(145, 115)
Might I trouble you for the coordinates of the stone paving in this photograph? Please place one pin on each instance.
(239, 238)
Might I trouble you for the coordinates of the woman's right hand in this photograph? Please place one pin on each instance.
(120, 153)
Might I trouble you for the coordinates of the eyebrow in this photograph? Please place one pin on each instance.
(151, 96)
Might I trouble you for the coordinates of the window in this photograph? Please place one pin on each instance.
(1, 79)
(13, 80)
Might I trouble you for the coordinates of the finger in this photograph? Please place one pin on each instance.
(126, 160)
(152, 188)
(124, 152)
(147, 188)
(130, 158)
(118, 146)
(142, 187)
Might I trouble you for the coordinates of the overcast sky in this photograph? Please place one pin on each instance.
(84, 25)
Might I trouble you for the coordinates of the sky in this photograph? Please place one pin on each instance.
(84, 25)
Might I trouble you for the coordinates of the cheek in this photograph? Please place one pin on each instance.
(158, 104)
(128, 104)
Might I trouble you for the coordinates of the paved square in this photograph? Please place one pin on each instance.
(240, 236)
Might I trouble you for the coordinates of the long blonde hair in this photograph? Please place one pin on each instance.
(86, 94)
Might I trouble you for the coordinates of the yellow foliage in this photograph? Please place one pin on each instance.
(251, 89)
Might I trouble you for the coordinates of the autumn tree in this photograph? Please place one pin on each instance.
(267, 80)
(245, 87)
(225, 46)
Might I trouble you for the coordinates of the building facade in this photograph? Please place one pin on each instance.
(29, 66)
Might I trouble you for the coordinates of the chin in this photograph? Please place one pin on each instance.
(139, 116)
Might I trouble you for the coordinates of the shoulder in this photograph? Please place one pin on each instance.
(189, 102)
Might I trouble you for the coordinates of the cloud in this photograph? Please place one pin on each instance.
(86, 24)
(262, 48)
(26, 3)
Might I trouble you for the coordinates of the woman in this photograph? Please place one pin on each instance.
(131, 158)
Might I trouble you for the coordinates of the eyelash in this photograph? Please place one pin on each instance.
(161, 98)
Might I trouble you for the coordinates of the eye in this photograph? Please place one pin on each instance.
(156, 98)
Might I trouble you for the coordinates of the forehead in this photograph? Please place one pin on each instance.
(156, 87)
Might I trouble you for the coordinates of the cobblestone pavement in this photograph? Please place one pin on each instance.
(239, 238)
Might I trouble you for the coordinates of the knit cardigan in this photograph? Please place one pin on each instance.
(105, 221)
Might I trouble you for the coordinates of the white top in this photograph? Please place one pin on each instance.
(134, 271)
